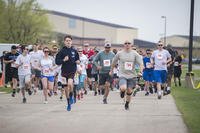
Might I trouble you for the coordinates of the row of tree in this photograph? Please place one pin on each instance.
(22, 21)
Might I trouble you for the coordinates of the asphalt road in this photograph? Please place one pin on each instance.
(89, 115)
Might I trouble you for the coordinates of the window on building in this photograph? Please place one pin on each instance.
(72, 23)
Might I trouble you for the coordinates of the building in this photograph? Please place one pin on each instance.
(144, 44)
(91, 31)
(181, 43)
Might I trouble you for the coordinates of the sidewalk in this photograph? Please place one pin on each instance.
(146, 115)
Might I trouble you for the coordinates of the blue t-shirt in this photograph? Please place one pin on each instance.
(147, 64)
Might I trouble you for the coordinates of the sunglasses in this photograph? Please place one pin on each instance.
(127, 43)
(148, 53)
(46, 51)
(160, 45)
(80, 51)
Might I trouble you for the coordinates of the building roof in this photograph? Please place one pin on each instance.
(195, 38)
(144, 44)
(88, 20)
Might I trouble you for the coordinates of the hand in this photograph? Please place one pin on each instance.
(66, 58)
(99, 67)
(110, 73)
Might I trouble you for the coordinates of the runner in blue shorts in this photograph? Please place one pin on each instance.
(160, 59)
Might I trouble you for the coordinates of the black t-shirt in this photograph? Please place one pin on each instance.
(10, 56)
(70, 65)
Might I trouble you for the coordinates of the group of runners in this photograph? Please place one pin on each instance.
(75, 70)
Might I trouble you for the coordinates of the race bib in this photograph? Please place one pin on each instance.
(176, 63)
(128, 65)
(26, 66)
(148, 65)
(160, 56)
(46, 71)
(106, 63)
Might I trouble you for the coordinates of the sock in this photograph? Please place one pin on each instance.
(127, 103)
(159, 93)
(68, 101)
(14, 90)
(70, 94)
(168, 88)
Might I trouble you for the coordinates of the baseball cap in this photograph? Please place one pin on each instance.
(107, 45)
(13, 47)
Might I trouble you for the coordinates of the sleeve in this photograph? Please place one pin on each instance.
(59, 58)
(18, 60)
(96, 59)
(139, 59)
(77, 56)
(115, 59)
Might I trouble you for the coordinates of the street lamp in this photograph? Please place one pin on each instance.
(165, 29)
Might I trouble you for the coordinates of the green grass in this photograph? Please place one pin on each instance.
(4, 89)
(188, 103)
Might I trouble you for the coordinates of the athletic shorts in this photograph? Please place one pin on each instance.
(36, 72)
(95, 76)
(160, 76)
(148, 75)
(14, 72)
(49, 78)
(103, 78)
(130, 83)
(23, 79)
(89, 72)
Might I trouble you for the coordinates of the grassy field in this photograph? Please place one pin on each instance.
(188, 103)
(4, 89)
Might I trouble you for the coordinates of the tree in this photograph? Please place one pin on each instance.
(22, 21)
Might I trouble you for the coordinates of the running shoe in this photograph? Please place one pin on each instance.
(159, 97)
(24, 100)
(122, 93)
(45, 102)
(13, 94)
(69, 107)
(126, 106)
(95, 93)
(29, 92)
(105, 101)
(71, 100)
(147, 93)
(60, 97)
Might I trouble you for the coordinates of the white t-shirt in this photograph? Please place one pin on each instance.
(25, 64)
(160, 59)
(46, 64)
(83, 63)
(36, 57)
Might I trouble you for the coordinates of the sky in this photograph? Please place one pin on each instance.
(142, 14)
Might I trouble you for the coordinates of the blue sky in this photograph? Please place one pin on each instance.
(142, 14)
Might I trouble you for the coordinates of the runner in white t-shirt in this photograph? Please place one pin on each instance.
(24, 71)
(47, 68)
(36, 56)
(160, 59)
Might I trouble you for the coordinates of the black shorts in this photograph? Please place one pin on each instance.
(68, 75)
(95, 76)
(36, 72)
(177, 72)
(89, 72)
(103, 78)
(14, 72)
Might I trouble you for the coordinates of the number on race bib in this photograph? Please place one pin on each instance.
(128, 65)
(106, 63)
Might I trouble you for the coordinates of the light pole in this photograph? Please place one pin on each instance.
(165, 29)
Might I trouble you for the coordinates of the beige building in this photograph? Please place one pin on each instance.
(89, 30)
(182, 41)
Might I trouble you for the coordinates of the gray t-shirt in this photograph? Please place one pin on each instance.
(160, 59)
(127, 61)
(105, 60)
